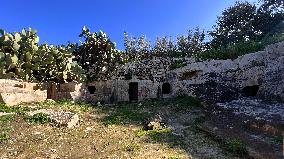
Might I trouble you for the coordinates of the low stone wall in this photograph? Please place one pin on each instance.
(13, 92)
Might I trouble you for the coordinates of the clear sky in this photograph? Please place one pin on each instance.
(59, 21)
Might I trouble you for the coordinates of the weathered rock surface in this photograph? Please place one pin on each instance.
(264, 69)
(13, 92)
(61, 119)
(254, 122)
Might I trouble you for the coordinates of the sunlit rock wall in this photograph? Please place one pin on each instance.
(13, 92)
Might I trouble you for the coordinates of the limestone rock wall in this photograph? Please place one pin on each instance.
(264, 69)
(13, 92)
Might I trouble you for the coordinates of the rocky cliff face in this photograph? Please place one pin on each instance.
(256, 74)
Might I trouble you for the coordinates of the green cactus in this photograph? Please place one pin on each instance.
(22, 57)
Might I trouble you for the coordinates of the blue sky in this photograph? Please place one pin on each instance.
(59, 21)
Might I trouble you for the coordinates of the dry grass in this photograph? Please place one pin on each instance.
(107, 132)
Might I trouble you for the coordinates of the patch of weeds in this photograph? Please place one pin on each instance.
(154, 134)
(278, 139)
(132, 147)
(184, 102)
(39, 118)
(140, 133)
(180, 103)
(4, 137)
(65, 102)
(47, 103)
(124, 114)
(6, 118)
(4, 134)
(84, 107)
(162, 135)
(112, 120)
(236, 147)
(13, 109)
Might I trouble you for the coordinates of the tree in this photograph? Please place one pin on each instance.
(192, 43)
(235, 25)
(136, 48)
(269, 17)
(163, 47)
(98, 55)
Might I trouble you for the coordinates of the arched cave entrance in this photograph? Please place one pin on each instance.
(250, 91)
(166, 88)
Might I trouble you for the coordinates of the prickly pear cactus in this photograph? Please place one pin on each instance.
(22, 57)
(98, 55)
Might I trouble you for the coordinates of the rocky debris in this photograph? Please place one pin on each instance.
(154, 124)
(61, 119)
(50, 101)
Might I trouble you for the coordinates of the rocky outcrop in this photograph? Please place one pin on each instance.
(263, 70)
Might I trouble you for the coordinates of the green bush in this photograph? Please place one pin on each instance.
(233, 51)
(236, 146)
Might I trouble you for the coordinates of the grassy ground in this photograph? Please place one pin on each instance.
(110, 131)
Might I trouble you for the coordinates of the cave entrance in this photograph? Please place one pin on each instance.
(92, 89)
(250, 91)
(133, 91)
(166, 88)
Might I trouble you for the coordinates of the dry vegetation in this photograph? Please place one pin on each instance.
(110, 131)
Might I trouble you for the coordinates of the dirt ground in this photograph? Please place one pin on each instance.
(113, 131)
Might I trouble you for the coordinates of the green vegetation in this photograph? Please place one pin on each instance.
(98, 55)
(125, 112)
(15, 109)
(4, 136)
(232, 51)
(39, 118)
(236, 146)
(132, 147)
(6, 118)
(154, 134)
(177, 64)
(278, 139)
(22, 57)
